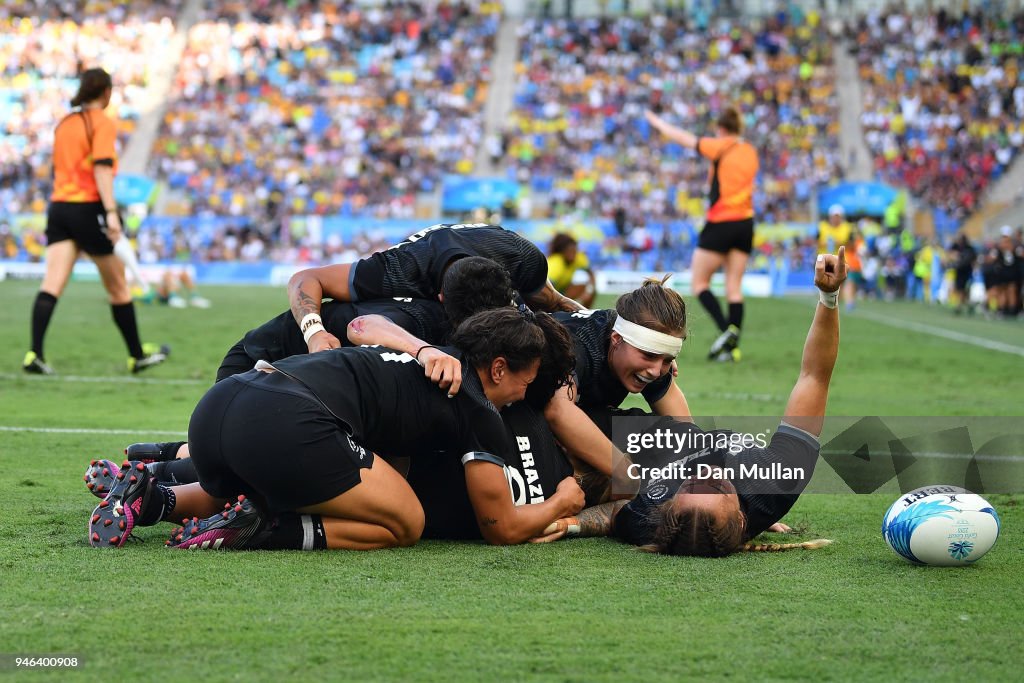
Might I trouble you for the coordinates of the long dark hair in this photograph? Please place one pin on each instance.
(505, 332)
(91, 86)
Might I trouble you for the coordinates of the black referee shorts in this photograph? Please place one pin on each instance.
(83, 222)
(727, 235)
(268, 437)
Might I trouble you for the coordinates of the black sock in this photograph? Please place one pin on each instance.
(42, 311)
(736, 314)
(124, 316)
(169, 449)
(710, 304)
(159, 507)
(291, 531)
(174, 472)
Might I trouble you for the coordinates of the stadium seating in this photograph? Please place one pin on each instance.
(315, 108)
(578, 128)
(944, 102)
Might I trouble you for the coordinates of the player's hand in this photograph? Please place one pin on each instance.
(830, 271)
(113, 229)
(779, 528)
(570, 305)
(322, 341)
(443, 370)
(557, 530)
(572, 495)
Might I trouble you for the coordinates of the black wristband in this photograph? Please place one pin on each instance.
(420, 350)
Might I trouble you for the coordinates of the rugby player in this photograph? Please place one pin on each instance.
(713, 515)
(415, 267)
(470, 285)
(305, 437)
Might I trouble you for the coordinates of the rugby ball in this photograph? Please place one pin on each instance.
(942, 526)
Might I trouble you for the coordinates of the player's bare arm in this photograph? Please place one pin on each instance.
(442, 369)
(306, 291)
(504, 523)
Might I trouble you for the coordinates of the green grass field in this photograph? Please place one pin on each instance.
(584, 610)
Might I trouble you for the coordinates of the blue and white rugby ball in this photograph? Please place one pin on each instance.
(942, 526)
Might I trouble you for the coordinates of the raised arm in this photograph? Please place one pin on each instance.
(504, 523)
(442, 369)
(306, 290)
(673, 133)
(806, 406)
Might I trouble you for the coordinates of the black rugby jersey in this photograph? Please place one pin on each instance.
(763, 501)
(597, 385)
(280, 337)
(415, 266)
(533, 471)
(388, 406)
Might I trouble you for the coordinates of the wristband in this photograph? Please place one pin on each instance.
(111, 210)
(419, 350)
(572, 529)
(310, 325)
(828, 299)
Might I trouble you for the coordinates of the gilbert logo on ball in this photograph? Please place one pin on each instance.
(943, 526)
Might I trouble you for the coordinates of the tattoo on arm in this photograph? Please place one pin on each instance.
(597, 520)
(304, 303)
(488, 521)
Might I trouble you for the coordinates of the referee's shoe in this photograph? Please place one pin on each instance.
(725, 344)
(154, 355)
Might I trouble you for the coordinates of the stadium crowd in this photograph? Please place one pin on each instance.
(944, 101)
(583, 85)
(43, 47)
(347, 108)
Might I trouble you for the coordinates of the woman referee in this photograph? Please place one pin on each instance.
(728, 234)
(83, 217)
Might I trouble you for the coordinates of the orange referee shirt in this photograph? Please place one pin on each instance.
(81, 140)
(734, 167)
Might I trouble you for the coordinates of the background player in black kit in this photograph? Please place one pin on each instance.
(415, 267)
(714, 517)
(305, 438)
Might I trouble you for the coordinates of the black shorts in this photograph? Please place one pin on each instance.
(268, 437)
(237, 360)
(727, 235)
(83, 222)
(962, 280)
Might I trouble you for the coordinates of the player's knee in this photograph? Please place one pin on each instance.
(408, 527)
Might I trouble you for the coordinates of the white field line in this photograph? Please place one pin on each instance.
(83, 430)
(105, 380)
(990, 344)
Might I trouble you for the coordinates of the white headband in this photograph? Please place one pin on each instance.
(647, 339)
